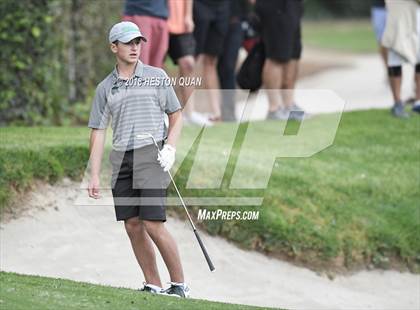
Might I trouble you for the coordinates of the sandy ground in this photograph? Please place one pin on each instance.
(54, 237)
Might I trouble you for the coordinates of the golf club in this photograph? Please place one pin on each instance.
(203, 248)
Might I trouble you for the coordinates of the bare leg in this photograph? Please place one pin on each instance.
(272, 74)
(186, 69)
(416, 106)
(384, 53)
(167, 248)
(290, 73)
(395, 74)
(395, 78)
(395, 82)
(211, 81)
(143, 250)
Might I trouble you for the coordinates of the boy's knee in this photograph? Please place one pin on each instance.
(152, 226)
(133, 225)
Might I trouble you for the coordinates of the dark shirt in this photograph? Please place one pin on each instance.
(213, 3)
(292, 7)
(239, 8)
(277, 4)
(378, 3)
(154, 8)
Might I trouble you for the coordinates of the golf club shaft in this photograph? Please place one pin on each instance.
(182, 200)
(203, 248)
(200, 242)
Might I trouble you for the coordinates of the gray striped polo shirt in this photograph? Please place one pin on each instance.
(135, 106)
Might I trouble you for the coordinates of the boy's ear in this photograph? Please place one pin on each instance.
(113, 47)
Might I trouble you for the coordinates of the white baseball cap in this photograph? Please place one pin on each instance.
(125, 32)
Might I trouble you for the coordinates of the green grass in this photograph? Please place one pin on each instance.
(353, 204)
(43, 153)
(346, 36)
(33, 292)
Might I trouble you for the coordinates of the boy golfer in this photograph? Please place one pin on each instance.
(137, 103)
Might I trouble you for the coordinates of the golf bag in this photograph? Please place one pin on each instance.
(250, 73)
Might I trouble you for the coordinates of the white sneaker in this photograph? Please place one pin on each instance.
(150, 288)
(279, 114)
(416, 106)
(198, 119)
(296, 113)
(180, 290)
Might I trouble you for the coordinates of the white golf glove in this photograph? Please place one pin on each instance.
(166, 158)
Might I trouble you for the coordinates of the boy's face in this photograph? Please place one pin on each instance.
(127, 52)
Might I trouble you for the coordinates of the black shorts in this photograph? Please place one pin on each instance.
(211, 21)
(281, 29)
(138, 184)
(181, 45)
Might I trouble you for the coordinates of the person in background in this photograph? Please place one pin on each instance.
(227, 61)
(211, 19)
(151, 16)
(402, 38)
(281, 35)
(182, 52)
(378, 15)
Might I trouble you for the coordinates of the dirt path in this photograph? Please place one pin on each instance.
(358, 79)
(54, 237)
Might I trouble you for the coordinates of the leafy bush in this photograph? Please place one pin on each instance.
(29, 78)
(55, 53)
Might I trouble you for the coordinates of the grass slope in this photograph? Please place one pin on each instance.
(347, 36)
(34, 292)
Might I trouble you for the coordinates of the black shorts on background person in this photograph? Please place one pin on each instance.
(211, 18)
(281, 36)
(281, 32)
(181, 45)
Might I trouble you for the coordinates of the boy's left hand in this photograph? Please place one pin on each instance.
(166, 157)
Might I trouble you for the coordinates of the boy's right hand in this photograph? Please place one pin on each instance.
(93, 187)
